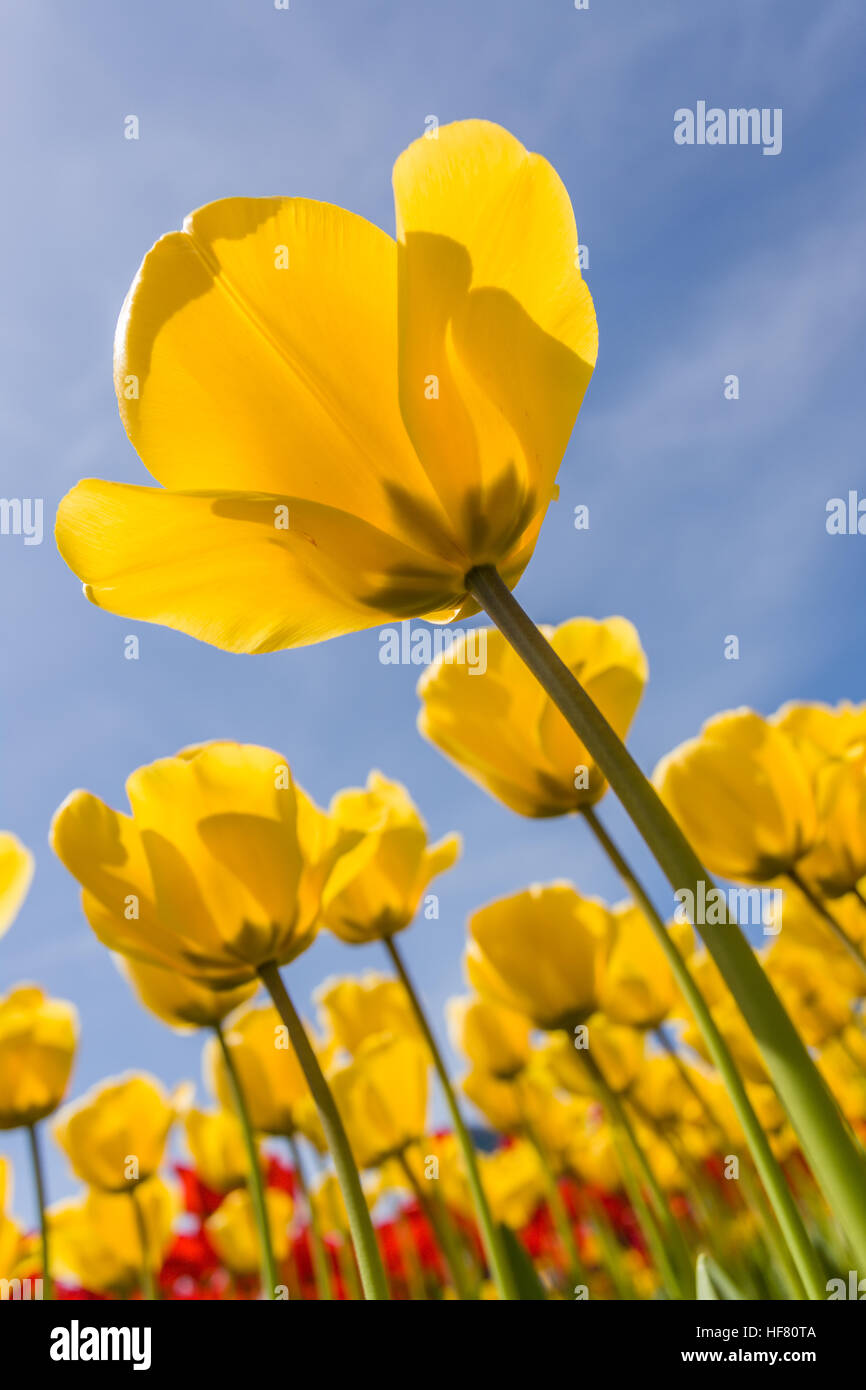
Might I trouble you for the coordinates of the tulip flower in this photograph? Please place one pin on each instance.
(218, 870)
(742, 794)
(356, 421)
(616, 1050)
(269, 1075)
(382, 1097)
(540, 953)
(233, 1232)
(16, 872)
(106, 1245)
(357, 1009)
(376, 887)
(819, 1005)
(637, 984)
(838, 860)
(505, 732)
(493, 1039)
(37, 1048)
(822, 731)
(498, 1101)
(215, 1140)
(514, 1181)
(114, 1136)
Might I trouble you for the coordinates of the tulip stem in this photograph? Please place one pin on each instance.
(769, 1170)
(321, 1266)
(837, 1164)
(269, 1275)
(826, 916)
(148, 1286)
(363, 1235)
(494, 1248)
(39, 1183)
(558, 1211)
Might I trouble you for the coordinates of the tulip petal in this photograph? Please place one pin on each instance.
(491, 305)
(16, 872)
(257, 350)
(218, 566)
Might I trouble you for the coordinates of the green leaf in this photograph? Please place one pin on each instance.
(529, 1286)
(712, 1282)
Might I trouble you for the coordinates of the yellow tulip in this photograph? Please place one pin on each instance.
(637, 985)
(796, 923)
(218, 870)
(504, 732)
(115, 1135)
(97, 1243)
(342, 425)
(498, 1101)
(823, 731)
(270, 1075)
(818, 1004)
(661, 1092)
(843, 1062)
(37, 1049)
(233, 1232)
(739, 1039)
(540, 953)
(375, 888)
(839, 857)
(215, 1140)
(493, 1039)
(592, 1157)
(616, 1050)
(16, 872)
(357, 1009)
(178, 1000)
(743, 797)
(514, 1181)
(382, 1098)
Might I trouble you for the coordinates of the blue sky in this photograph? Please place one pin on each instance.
(707, 516)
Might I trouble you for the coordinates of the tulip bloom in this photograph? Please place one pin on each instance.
(98, 1242)
(838, 860)
(502, 729)
(270, 1076)
(37, 1048)
(540, 953)
(494, 1040)
(16, 872)
(616, 1050)
(637, 984)
(515, 1182)
(356, 1010)
(742, 796)
(353, 422)
(382, 1098)
(215, 1140)
(217, 871)
(376, 887)
(233, 1232)
(115, 1135)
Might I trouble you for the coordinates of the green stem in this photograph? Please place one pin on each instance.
(39, 1184)
(439, 1223)
(321, 1267)
(769, 1169)
(269, 1275)
(363, 1235)
(494, 1248)
(148, 1287)
(826, 916)
(837, 1164)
